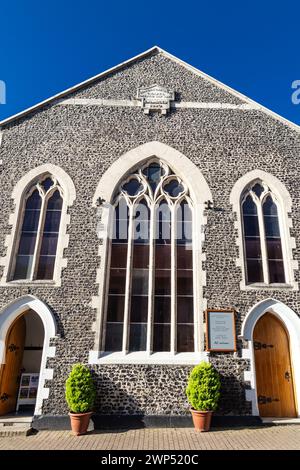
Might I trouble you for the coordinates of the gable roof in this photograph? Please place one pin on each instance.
(143, 55)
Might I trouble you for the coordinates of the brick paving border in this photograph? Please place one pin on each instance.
(280, 437)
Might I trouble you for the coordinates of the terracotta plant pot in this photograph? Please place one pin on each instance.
(201, 420)
(80, 422)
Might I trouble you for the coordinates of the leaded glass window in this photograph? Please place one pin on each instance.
(150, 287)
(262, 236)
(38, 237)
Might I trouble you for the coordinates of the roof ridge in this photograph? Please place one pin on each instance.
(144, 54)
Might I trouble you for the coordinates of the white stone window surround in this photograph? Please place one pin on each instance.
(16, 218)
(8, 315)
(284, 206)
(199, 193)
(291, 322)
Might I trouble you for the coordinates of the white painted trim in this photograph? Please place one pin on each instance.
(8, 315)
(18, 194)
(148, 52)
(292, 323)
(284, 208)
(142, 357)
(199, 193)
(138, 104)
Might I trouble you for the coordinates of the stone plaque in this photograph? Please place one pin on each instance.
(155, 98)
(220, 330)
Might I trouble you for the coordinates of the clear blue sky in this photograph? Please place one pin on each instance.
(48, 46)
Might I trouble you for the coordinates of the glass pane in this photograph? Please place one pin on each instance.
(161, 338)
(118, 256)
(31, 220)
(52, 221)
(138, 337)
(140, 278)
(45, 267)
(141, 232)
(251, 226)
(163, 256)
(185, 338)
(121, 220)
(276, 271)
(184, 233)
(49, 244)
(163, 213)
(55, 201)
(185, 312)
(117, 281)
(121, 210)
(185, 282)
(121, 233)
(183, 213)
(115, 308)
(133, 187)
(163, 233)
(23, 267)
(34, 201)
(183, 223)
(153, 173)
(249, 206)
(173, 188)
(253, 249)
(184, 257)
(271, 226)
(258, 189)
(274, 248)
(269, 207)
(139, 309)
(163, 223)
(27, 243)
(141, 256)
(254, 270)
(162, 282)
(141, 211)
(162, 310)
(114, 337)
(47, 183)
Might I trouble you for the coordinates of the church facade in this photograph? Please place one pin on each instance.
(132, 204)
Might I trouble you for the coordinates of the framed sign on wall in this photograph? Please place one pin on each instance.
(220, 330)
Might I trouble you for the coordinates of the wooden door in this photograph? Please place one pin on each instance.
(11, 370)
(274, 376)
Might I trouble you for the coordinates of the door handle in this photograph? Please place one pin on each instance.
(4, 397)
(287, 376)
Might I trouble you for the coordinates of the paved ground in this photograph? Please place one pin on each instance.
(270, 437)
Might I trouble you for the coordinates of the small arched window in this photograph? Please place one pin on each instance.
(150, 286)
(39, 231)
(262, 236)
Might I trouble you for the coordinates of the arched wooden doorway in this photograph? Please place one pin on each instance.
(23, 352)
(274, 375)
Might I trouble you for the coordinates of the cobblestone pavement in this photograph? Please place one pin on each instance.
(268, 437)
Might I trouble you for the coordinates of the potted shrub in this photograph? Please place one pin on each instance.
(203, 393)
(80, 396)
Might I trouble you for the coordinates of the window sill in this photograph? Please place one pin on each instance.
(26, 283)
(263, 286)
(141, 357)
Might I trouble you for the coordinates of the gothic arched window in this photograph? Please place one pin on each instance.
(150, 286)
(262, 236)
(39, 231)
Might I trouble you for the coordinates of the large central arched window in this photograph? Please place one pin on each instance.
(150, 285)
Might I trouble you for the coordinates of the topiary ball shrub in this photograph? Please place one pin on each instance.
(80, 389)
(203, 389)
